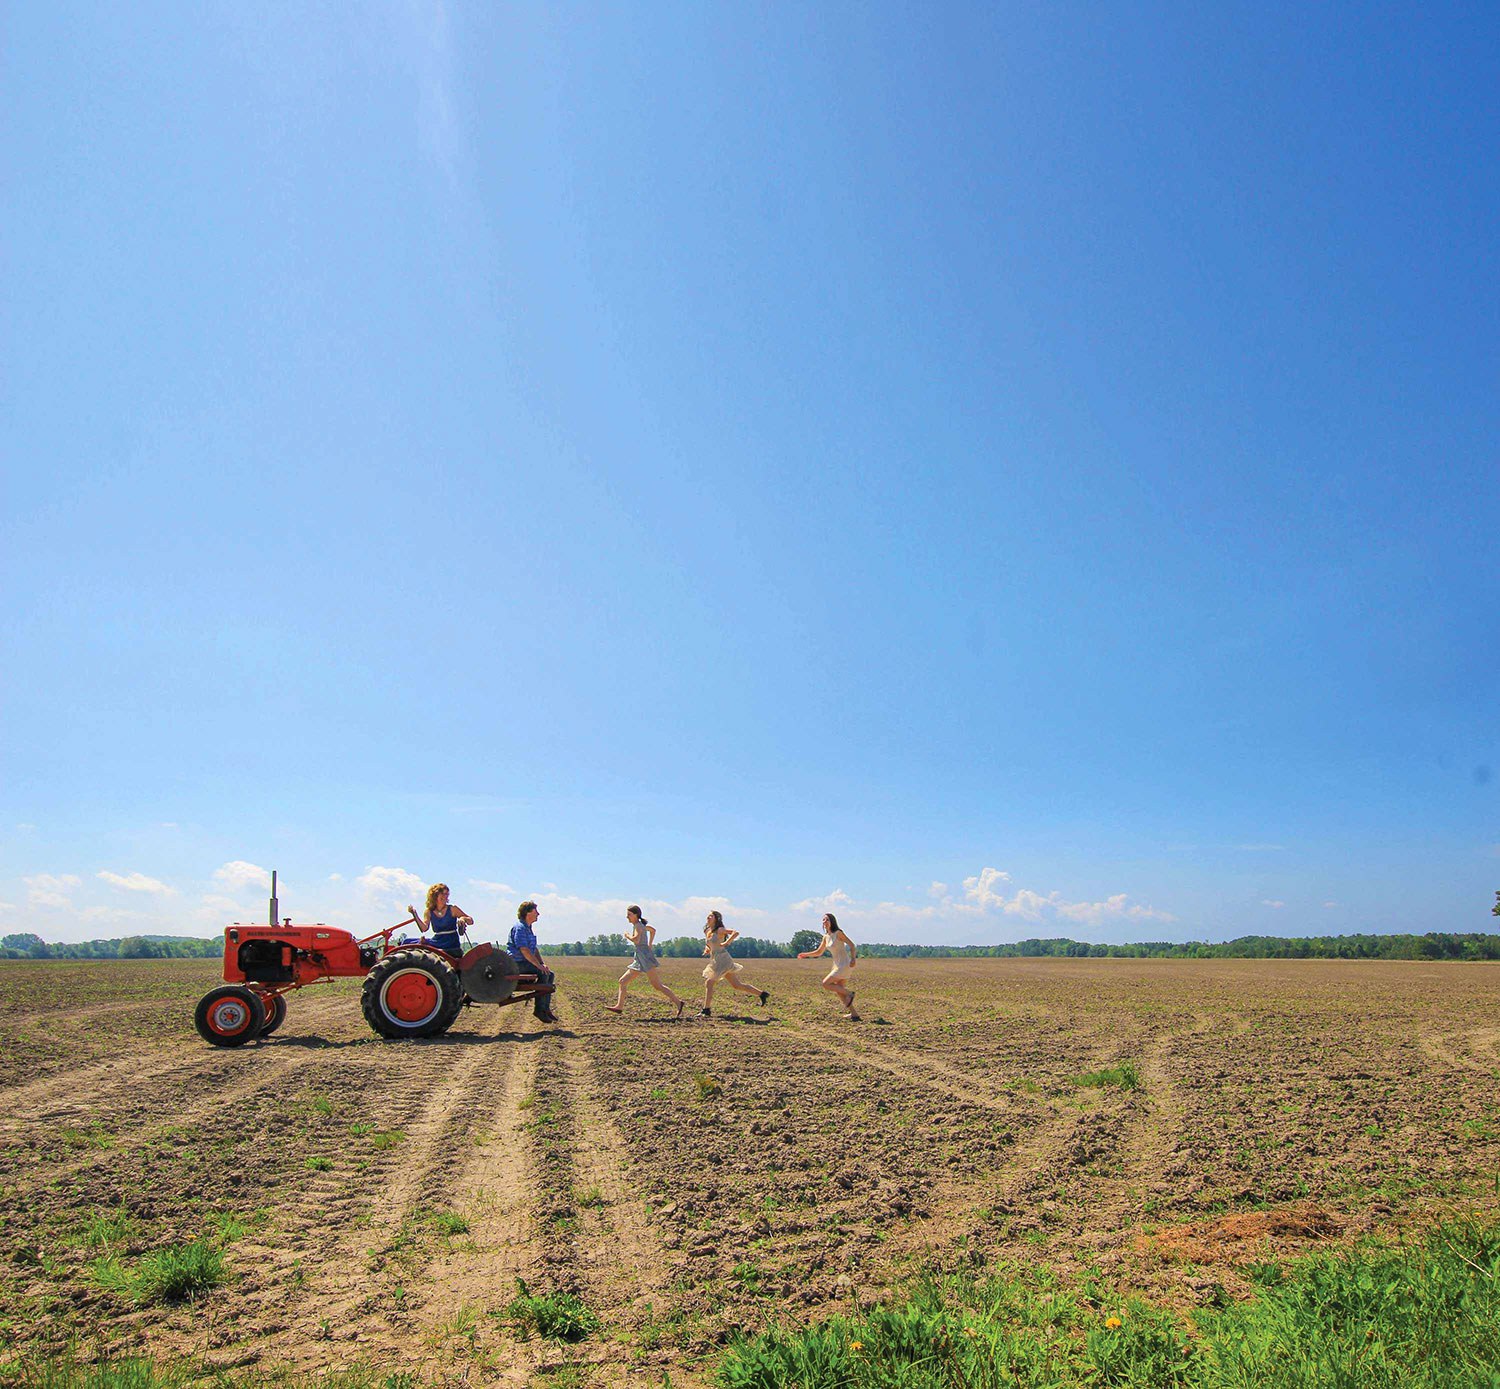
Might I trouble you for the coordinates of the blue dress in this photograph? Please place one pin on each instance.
(445, 932)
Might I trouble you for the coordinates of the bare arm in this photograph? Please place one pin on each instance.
(730, 935)
(813, 954)
(650, 936)
(462, 915)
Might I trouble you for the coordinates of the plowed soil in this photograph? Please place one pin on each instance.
(378, 1201)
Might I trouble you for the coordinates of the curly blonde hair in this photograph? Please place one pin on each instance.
(432, 895)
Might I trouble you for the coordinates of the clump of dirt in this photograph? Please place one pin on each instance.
(1244, 1237)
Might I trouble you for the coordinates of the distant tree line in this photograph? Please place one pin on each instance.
(25, 945)
(1434, 945)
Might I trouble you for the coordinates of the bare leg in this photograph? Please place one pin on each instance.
(653, 977)
(836, 987)
(618, 1006)
(708, 994)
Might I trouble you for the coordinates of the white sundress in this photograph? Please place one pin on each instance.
(720, 963)
(843, 959)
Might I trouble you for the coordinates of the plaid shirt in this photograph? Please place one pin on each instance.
(522, 936)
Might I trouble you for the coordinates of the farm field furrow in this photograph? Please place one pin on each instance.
(671, 1185)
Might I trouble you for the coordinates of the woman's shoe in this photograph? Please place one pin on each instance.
(704, 1013)
(765, 994)
(610, 1008)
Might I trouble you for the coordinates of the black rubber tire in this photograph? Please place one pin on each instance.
(275, 1014)
(229, 1016)
(380, 1014)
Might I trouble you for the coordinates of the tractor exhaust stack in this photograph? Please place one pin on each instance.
(275, 905)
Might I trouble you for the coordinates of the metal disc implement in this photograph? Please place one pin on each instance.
(488, 975)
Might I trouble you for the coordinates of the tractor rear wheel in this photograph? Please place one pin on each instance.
(275, 1006)
(229, 1017)
(411, 994)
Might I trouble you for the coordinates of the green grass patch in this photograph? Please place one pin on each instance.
(708, 1087)
(389, 1138)
(101, 1229)
(445, 1222)
(1422, 1316)
(319, 1164)
(180, 1273)
(1121, 1077)
(94, 1136)
(557, 1316)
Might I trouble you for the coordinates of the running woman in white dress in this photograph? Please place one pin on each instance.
(721, 966)
(845, 955)
(642, 935)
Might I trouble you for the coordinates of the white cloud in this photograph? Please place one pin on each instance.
(1275, 904)
(981, 890)
(335, 877)
(390, 882)
(498, 889)
(1330, 904)
(24, 827)
(937, 890)
(238, 875)
(50, 890)
(834, 901)
(136, 882)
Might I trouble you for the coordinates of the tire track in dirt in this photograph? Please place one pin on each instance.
(491, 1188)
(920, 1070)
(212, 1087)
(1441, 1047)
(349, 1242)
(65, 1090)
(597, 1242)
(623, 1254)
(965, 1208)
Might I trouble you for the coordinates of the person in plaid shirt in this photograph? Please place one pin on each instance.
(527, 954)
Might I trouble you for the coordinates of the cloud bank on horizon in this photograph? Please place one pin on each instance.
(987, 909)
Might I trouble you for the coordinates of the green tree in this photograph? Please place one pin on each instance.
(805, 940)
(28, 944)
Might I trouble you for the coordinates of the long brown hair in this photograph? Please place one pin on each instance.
(432, 895)
(714, 923)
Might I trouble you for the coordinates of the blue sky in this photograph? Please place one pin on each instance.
(1000, 470)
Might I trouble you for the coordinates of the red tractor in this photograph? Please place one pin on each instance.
(412, 988)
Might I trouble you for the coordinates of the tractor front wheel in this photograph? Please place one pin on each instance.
(411, 994)
(275, 1006)
(229, 1017)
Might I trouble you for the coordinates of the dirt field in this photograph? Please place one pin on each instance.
(377, 1201)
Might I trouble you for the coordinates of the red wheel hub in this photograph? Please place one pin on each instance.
(229, 1017)
(412, 996)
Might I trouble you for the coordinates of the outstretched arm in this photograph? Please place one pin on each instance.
(463, 916)
(813, 954)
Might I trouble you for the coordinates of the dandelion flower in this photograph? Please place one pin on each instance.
(1113, 1323)
(856, 1345)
